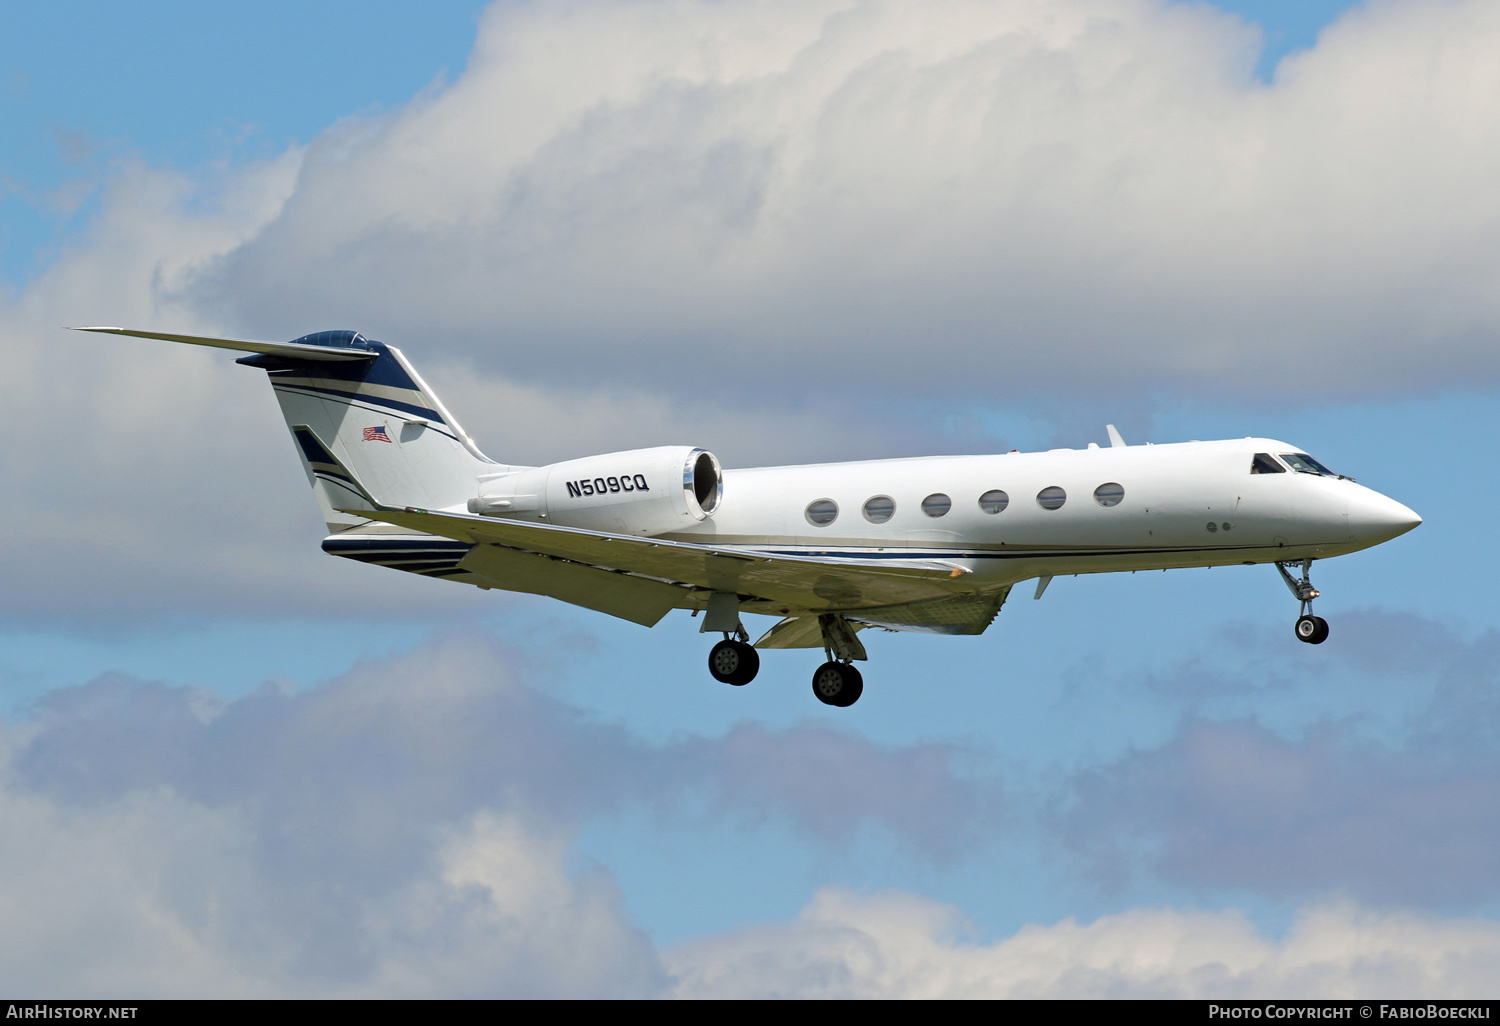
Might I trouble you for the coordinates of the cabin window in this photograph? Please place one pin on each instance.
(879, 509)
(1302, 463)
(937, 505)
(994, 501)
(1264, 464)
(1110, 494)
(822, 512)
(1051, 498)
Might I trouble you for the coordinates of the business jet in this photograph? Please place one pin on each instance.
(933, 544)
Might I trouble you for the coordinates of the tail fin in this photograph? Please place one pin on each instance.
(362, 401)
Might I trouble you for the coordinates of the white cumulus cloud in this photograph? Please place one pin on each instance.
(405, 830)
(899, 945)
(973, 196)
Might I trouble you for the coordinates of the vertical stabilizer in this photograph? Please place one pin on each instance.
(381, 420)
(366, 404)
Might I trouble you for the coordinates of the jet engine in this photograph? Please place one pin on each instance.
(641, 491)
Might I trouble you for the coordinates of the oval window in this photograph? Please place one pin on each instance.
(937, 505)
(822, 512)
(1109, 494)
(880, 509)
(1052, 497)
(994, 501)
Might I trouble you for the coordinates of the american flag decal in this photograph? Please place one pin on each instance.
(376, 434)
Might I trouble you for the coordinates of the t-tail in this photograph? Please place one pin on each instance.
(365, 403)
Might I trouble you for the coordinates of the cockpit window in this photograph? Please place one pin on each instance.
(1302, 463)
(1264, 464)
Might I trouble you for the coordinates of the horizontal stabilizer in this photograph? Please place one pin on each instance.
(290, 350)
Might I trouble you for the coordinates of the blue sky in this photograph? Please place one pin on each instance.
(789, 233)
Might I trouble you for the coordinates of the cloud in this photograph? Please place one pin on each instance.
(159, 896)
(1232, 805)
(896, 945)
(450, 730)
(1409, 819)
(831, 782)
(404, 830)
(966, 199)
(153, 482)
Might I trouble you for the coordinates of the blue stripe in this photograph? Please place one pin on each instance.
(1009, 554)
(383, 370)
(393, 405)
(366, 405)
(313, 449)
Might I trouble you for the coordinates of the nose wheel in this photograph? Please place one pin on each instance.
(1312, 629)
(1309, 628)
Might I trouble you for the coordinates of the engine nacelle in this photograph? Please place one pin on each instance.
(641, 491)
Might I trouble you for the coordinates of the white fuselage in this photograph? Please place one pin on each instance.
(1183, 505)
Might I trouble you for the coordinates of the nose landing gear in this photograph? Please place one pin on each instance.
(1311, 629)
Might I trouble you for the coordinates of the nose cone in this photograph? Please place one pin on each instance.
(1373, 518)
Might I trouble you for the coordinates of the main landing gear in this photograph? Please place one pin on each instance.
(837, 682)
(1311, 629)
(734, 661)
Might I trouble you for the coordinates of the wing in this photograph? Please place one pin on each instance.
(790, 583)
(639, 578)
(801, 583)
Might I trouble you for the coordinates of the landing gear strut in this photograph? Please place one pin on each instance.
(733, 660)
(837, 682)
(1311, 629)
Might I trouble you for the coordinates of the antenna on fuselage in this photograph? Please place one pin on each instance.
(1115, 441)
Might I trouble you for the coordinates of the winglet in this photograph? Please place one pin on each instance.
(1115, 440)
(345, 493)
